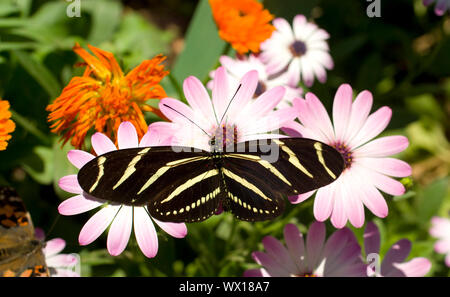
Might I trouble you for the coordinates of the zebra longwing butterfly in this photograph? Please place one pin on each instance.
(180, 184)
(184, 184)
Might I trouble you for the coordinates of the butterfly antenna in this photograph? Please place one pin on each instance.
(50, 230)
(187, 119)
(262, 133)
(229, 103)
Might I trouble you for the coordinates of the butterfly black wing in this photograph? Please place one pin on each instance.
(251, 179)
(136, 176)
(290, 165)
(194, 199)
(323, 163)
(263, 172)
(177, 184)
(248, 196)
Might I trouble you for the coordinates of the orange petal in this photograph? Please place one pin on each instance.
(99, 67)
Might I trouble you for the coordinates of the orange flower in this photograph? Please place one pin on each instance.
(6, 125)
(104, 97)
(242, 23)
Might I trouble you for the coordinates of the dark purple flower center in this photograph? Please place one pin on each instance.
(260, 88)
(345, 152)
(298, 48)
(223, 137)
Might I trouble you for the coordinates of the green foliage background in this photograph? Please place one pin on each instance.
(402, 57)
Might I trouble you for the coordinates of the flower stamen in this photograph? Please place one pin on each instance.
(345, 152)
(306, 274)
(298, 48)
(260, 88)
(223, 137)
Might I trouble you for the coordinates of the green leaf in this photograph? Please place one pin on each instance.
(24, 6)
(62, 166)
(106, 16)
(425, 104)
(346, 47)
(370, 71)
(224, 228)
(421, 249)
(39, 72)
(8, 46)
(40, 165)
(203, 46)
(427, 134)
(30, 126)
(13, 22)
(430, 199)
(49, 26)
(96, 257)
(49, 14)
(145, 38)
(441, 64)
(290, 8)
(405, 196)
(7, 9)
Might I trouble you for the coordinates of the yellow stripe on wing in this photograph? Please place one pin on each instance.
(318, 147)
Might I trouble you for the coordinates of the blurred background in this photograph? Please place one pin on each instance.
(403, 58)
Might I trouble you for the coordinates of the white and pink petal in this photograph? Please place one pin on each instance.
(315, 243)
(374, 125)
(120, 231)
(177, 230)
(54, 246)
(382, 147)
(145, 232)
(277, 251)
(97, 224)
(127, 136)
(102, 144)
(296, 246)
(76, 205)
(69, 183)
(342, 108)
(79, 158)
(417, 267)
(272, 267)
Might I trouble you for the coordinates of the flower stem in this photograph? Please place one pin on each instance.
(30, 127)
(226, 50)
(176, 85)
(231, 235)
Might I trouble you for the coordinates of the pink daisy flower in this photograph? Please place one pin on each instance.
(393, 264)
(368, 167)
(441, 6)
(237, 68)
(340, 255)
(233, 117)
(59, 265)
(121, 219)
(302, 50)
(441, 229)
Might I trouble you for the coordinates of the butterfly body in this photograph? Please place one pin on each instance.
(183, 184)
